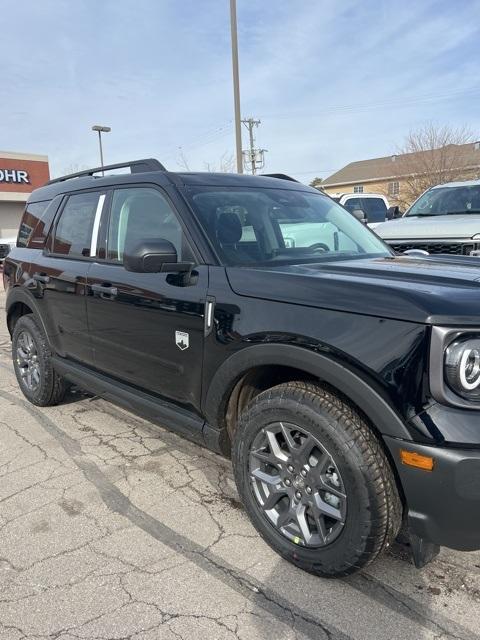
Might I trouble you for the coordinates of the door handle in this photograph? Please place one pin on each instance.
(105, 290)
(41, 277)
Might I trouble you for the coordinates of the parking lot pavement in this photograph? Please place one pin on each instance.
(114, 528)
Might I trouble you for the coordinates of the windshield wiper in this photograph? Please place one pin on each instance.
(443, 213)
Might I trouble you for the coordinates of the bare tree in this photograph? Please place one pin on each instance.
(429, 156)
(182, 160)
(316, 183)
(226, 164)
(74, 167)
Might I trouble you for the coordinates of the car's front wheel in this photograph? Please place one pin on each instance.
(37, 379)
(315, 479)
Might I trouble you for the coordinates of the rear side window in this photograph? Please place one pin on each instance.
(73, 233)
(30, 220)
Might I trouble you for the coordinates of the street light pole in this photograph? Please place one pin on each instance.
(101, 130)
(236, 85)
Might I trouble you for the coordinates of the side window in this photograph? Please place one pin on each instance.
(140, 213)
(375, 209)
(73, 233)
(353, 203)
(31, 217)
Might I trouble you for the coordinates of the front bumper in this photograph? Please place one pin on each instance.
(443, 504)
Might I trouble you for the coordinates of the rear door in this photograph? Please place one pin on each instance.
(61, 274)
(147, 329)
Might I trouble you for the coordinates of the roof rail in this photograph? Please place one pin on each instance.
(280, 176)
(135, 166)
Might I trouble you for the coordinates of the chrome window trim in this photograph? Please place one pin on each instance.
(96, 225)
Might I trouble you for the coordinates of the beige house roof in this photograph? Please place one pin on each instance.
(390, 167)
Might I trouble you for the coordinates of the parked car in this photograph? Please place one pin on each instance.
(6, 245)
(445, 219)
(374, 205)
(344, 382)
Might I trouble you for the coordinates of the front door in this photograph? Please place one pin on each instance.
(147, 329)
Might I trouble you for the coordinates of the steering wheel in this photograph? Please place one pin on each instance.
(320, 246)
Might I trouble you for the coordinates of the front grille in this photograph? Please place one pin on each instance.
(458, 248)
(4, 250)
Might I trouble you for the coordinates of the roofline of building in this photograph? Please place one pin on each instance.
(359, 181)
(12, 155)
(394, 177)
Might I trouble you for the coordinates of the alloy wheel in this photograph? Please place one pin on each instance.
(297, 485)
(27, 361)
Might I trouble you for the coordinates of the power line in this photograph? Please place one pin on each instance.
(362, 108)
(207, 137)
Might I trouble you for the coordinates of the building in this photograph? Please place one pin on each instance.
(20, 174)
(403, 177)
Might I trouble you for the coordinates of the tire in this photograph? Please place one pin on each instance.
(32, 361)
(347, 457)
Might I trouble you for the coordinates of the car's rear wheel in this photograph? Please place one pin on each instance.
(31, 354)
(315, 479)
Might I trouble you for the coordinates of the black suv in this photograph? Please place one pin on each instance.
(257, 317)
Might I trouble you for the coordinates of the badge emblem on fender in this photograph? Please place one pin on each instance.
(182, 340)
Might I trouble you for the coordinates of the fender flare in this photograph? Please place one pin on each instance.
(19, 294)
(370, 401)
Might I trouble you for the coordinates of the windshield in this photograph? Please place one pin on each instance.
(258, 226)
(444, 200)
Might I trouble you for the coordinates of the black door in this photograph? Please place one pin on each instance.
(147, 329)
(61, 275)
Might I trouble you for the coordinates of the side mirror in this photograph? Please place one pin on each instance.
(393, 212)
(359, 215)
(154, 256)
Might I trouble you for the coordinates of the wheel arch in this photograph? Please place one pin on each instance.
(20, 303)
(283, 363)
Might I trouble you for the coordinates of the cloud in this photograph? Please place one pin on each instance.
(332, 82)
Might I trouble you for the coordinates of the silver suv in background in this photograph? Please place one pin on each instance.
(445, 219)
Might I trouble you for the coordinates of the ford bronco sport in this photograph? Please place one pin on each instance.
(343, 379)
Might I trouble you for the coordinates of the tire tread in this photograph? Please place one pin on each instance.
(381, 529)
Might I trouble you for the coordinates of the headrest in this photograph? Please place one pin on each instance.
(229, 228)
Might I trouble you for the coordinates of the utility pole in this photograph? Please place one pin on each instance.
(236, 85)
(253, 157)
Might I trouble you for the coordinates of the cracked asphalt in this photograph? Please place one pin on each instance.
(111, 527)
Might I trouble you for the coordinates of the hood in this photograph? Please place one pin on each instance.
(437, 227)
(432, 290)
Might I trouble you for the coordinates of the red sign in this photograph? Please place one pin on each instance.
(22, 176)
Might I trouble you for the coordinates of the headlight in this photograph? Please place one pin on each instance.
(462, 367)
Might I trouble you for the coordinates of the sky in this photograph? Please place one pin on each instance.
(332, 81)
